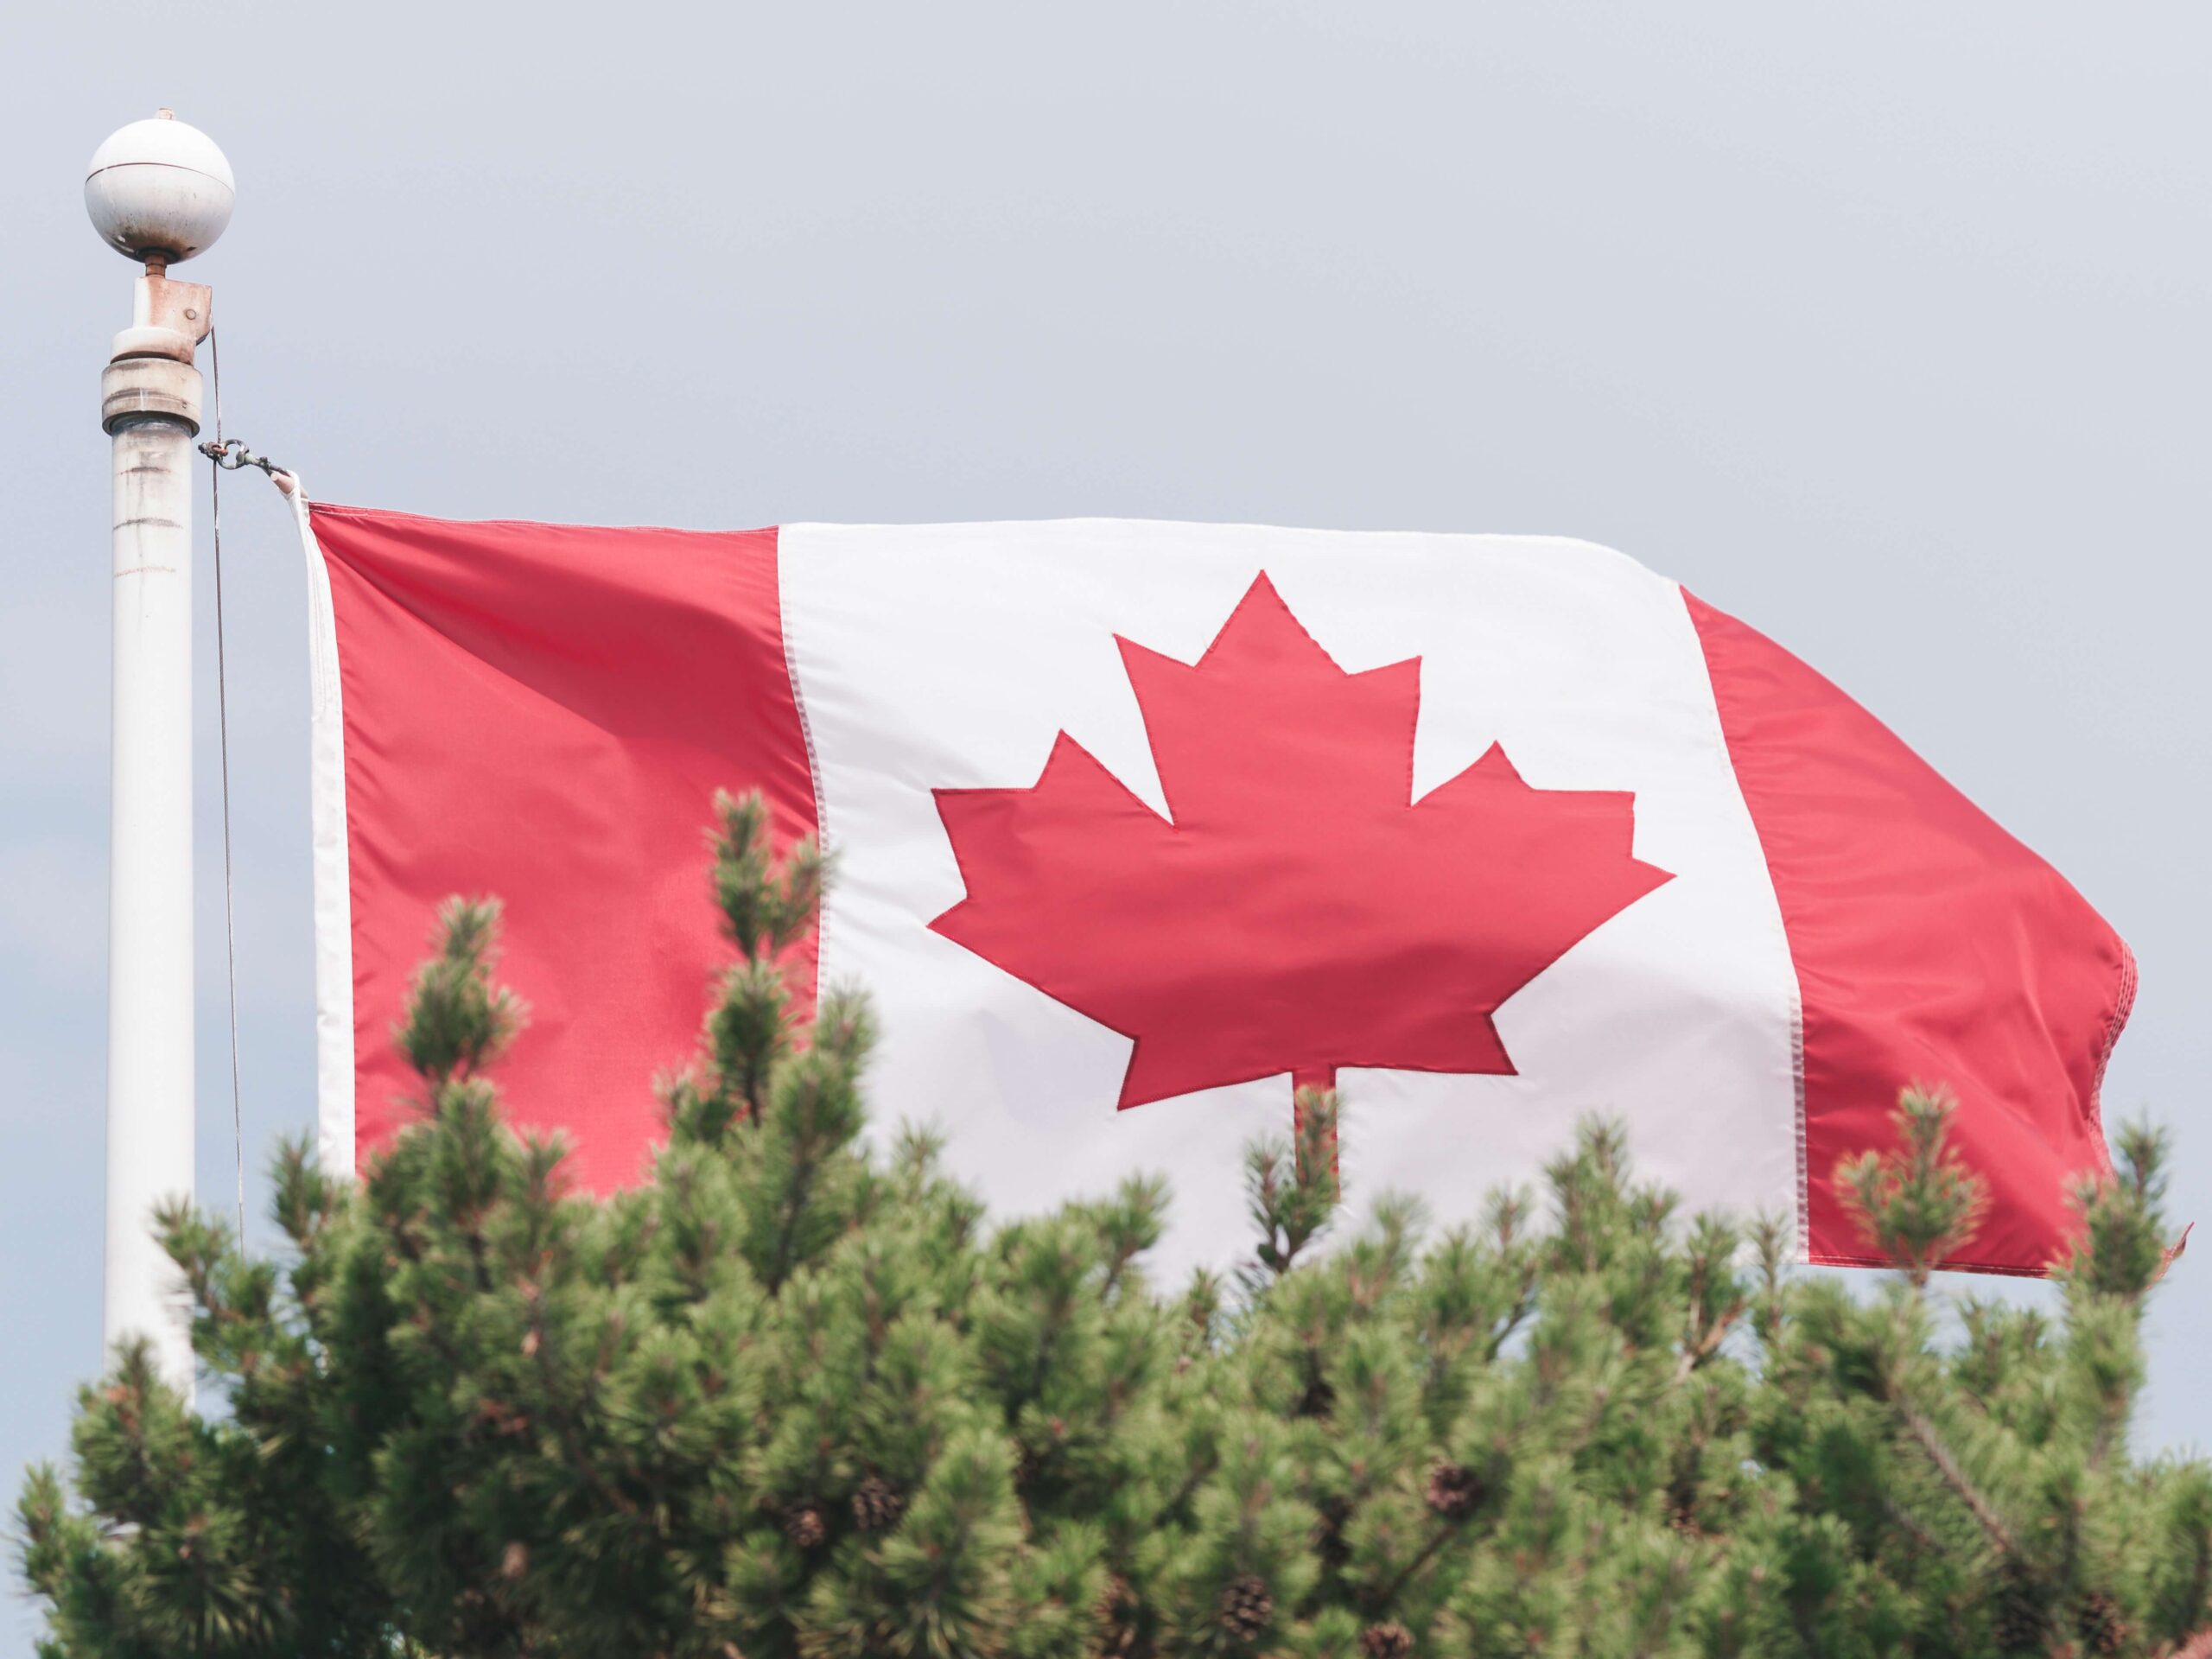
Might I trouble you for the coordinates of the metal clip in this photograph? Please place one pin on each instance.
(233, 454)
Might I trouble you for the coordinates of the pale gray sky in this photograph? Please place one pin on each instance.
(1882, 327)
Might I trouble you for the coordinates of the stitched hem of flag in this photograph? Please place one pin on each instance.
(813, 777)
(2123, 1005)
(1954, 1264)
(335, 1122)
(1801, 1200)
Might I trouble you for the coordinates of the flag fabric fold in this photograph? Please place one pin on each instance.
(1137, 824)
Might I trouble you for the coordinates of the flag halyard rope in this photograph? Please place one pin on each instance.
(227, 456)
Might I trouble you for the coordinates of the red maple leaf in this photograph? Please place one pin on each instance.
(1300, 910)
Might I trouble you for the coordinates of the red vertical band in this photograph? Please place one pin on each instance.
(544, 713)
(1930, 947)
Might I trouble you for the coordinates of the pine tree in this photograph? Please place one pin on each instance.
(791, 1398)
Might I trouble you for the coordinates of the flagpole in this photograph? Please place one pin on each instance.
(159, 192)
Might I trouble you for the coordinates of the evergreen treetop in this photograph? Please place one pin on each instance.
(793, 1398)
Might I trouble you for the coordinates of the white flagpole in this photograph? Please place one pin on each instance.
(159, 192)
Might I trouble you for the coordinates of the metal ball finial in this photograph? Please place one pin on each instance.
(159, 190)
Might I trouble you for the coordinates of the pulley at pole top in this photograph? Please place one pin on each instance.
(159, 192)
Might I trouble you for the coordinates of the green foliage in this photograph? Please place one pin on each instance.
(1917, 1206)
(791, 1398)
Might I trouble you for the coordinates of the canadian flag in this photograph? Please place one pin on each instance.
(1135, 824)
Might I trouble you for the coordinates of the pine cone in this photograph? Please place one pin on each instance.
(877, 1504)
(2022, 1609)
(2103, 1627)
(1248, 1607)
(1455, 1492)
(1391, 1640)
(806, 1524)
